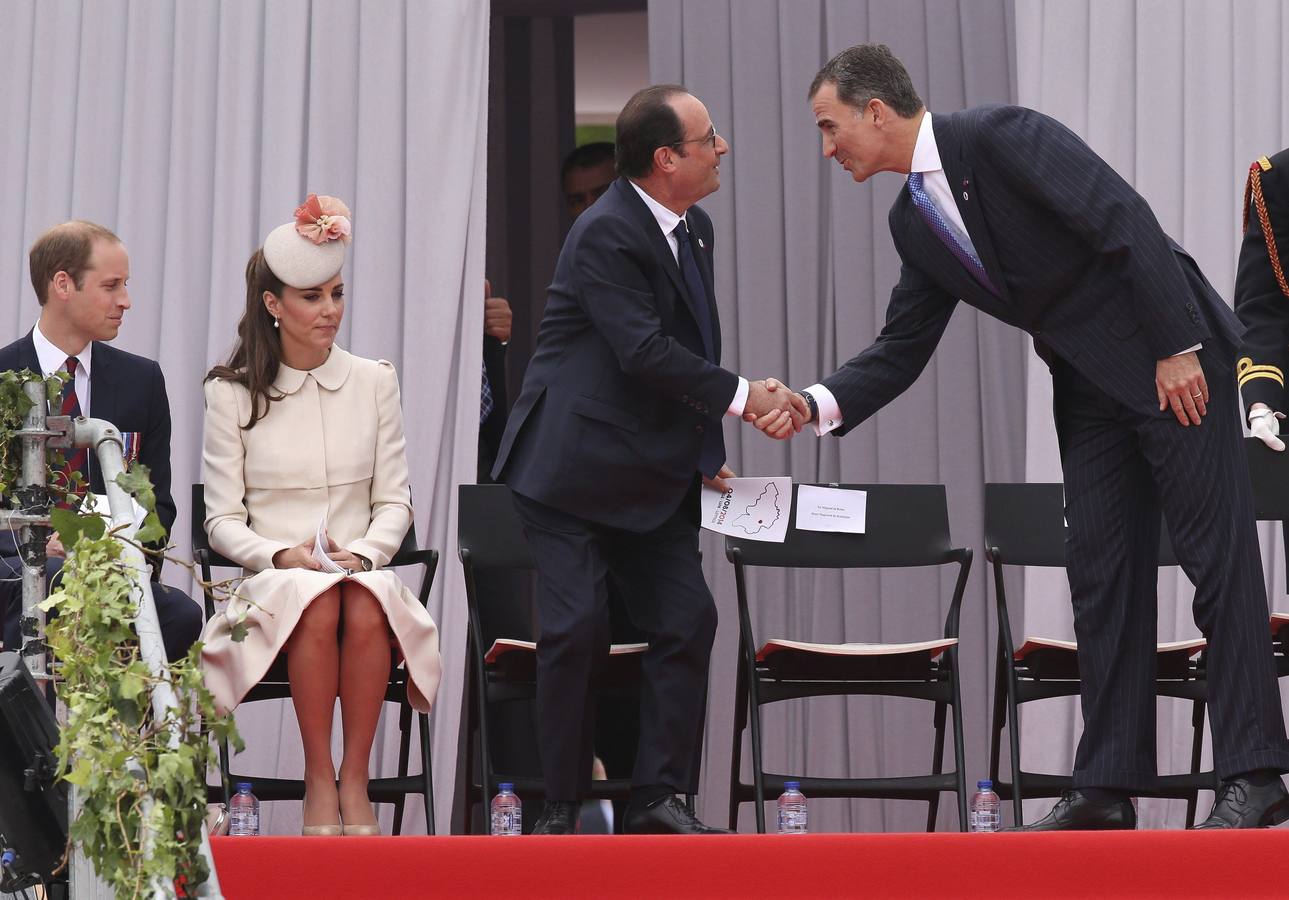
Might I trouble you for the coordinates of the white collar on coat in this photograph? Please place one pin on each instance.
(330, 375)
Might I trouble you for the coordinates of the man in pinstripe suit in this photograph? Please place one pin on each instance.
(1008, 210)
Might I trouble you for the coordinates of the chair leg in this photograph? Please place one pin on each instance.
(959, 751)
(1197, 752)
(427, 772)
(758, 770)
(937, 765)
(404, 743)
(1013, 738)
(736, 751)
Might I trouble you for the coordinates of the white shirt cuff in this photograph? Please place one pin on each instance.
(740, 399)
(1188, 350)
(829, 411)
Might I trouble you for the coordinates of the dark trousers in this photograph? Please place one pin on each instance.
(180, 618)
(1121, 468)
(667, 599)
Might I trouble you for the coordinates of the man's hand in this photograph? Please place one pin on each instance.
(1264, 424)
(774, 409)
(1180, 384)
(497, 316)
(718, 481)
(54, 547)
(298, 557)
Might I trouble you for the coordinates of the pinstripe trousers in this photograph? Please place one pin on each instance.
(1121, 468)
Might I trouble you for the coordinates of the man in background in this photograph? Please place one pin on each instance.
(587, 173)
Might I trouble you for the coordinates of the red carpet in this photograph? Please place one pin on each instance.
(1166, 864)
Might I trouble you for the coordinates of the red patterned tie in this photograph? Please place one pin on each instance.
(76, 456)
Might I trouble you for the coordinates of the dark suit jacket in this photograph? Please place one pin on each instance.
(610, 421)
(1260, 301)
(130, 392)
(1079, 259)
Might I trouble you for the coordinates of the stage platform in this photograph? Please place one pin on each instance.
(1165, 864)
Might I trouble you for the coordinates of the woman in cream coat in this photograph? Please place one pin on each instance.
(298, 431)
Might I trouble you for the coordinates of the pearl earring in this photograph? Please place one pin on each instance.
(276, 323)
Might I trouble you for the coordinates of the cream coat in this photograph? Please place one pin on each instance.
(332, 446)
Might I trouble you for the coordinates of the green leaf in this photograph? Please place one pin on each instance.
(71, 527)
(152, 530)
(239, 632)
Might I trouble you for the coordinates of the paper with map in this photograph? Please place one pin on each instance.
(755, 508)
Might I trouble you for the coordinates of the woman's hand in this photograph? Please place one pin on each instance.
(344, 558)
(298, 557)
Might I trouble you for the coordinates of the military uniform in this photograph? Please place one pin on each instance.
(1261, 284)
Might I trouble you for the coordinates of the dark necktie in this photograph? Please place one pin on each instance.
(696, 288)
(76, 457)
(937, 222)
(712, 455)
(485, 397)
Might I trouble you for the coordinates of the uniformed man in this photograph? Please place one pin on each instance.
(1262, 297)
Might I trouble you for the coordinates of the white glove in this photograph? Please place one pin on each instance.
(1264, 424)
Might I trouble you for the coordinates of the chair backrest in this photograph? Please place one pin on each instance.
(1026, 522)
(906, 525)
(406, 551)
(488, 528)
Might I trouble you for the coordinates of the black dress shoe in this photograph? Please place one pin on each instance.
(1242, 804)
(559, 817)
(666, 815)
(1076, 812)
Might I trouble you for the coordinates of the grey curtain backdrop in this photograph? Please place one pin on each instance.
(804, 267)
(192, 129)
(1180, 98)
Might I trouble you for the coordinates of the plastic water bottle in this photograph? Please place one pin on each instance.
(793, 817)
(243, 811)
(507, 811)
(984, 808)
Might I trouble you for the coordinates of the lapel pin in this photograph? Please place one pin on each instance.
(964, 195)
(701, 244)
(964, 189)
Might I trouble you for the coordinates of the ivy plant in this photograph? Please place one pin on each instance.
(113, 746)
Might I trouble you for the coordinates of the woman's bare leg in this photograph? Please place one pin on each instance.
(313, 667)
(364, 673)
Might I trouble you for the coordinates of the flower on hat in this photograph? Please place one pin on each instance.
(321, 218)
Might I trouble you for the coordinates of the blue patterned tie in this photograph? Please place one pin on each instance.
(934, 218)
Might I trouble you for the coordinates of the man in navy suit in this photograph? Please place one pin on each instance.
(79, 271)
(617, 426)
(1011, 212)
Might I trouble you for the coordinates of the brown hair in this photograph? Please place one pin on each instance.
(868, 71)
(647, 122)
(65, 248)
(257, 355)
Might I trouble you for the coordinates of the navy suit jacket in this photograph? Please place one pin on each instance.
(610, 421)
(1079, 259)
(130, 392)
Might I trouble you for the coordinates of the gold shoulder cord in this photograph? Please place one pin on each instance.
(1253, 191)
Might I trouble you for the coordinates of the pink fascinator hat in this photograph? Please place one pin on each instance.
(310, 250)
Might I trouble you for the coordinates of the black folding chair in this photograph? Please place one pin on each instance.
(276, 685)
(907, 526)
(490, 536)
(1025, 526)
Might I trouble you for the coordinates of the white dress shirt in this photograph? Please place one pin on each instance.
(54, 360)
(667, 221)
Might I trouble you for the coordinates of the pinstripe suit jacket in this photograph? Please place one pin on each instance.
(1078, 257)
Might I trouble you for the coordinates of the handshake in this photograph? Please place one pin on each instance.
(775, 409)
